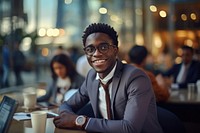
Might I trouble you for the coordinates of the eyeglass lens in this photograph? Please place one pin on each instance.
(103, 48)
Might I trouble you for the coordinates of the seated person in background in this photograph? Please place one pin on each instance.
(82, 66)
(64, 77)
(186, 72)
(137, 56)
(120, 94)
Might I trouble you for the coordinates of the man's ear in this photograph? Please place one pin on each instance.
(116, 50)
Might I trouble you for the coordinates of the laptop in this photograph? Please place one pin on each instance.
(7, 109)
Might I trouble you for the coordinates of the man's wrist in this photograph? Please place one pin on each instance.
(81, 121)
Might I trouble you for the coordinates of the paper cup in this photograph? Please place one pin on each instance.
(38, 121)
(29, 100)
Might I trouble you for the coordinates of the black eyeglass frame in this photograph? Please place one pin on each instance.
(99, 48)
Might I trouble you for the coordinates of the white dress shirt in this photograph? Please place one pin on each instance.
(182, 73)
(102, 99)
(63, 85)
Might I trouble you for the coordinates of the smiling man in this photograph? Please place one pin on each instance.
(121, 95)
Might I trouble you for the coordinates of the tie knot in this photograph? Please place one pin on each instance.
(105, 86)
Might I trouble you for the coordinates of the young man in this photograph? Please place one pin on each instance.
(125, 105)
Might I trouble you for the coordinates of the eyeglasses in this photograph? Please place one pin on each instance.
(102, 48)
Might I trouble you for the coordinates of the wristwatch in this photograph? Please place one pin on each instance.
(81, 121)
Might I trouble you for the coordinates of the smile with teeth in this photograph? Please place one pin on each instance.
(99, 61)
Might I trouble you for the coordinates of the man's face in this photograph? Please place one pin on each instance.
(187, 56)
(101, 62)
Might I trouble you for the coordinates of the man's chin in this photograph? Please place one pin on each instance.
(99, 71)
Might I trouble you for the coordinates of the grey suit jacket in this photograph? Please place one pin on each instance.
(133, 102)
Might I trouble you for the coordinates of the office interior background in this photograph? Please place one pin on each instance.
(40, 26)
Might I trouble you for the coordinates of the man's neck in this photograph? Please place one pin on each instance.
(111, 72)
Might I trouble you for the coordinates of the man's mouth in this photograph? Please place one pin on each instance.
(98, 62)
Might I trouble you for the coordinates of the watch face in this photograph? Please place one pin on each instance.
(80, 120)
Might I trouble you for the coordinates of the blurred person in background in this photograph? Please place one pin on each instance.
(188, 71)
(65, 78)
(19, 61)
(60, 50)
(137, 56)
(164, 60)
(82, 65)
(197, 54)
(5, 65)
(74, 53)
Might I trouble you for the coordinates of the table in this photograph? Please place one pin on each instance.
(185, 104)
(184, 96)
(25, 127)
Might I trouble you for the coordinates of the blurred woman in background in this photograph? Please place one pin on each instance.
(65, 78)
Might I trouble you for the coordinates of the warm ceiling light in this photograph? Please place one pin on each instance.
(188, 42)
(138, 11)
(103, 10)
(178, 60)
(193, 16)
(163, 14)
(55, 32)
(153, 8)
(183, 17)
(68, 2)
(45, 52)
(42, 32)
(50, 32)
(179, 51)
(113, 17)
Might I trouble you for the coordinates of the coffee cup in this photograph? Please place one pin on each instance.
(29, 100)
(38, 121)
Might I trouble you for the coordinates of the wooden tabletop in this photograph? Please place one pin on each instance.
(25, 127)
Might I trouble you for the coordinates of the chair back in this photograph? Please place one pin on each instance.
(169, 122)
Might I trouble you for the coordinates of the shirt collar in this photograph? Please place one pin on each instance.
(108, 77)
(187, 66)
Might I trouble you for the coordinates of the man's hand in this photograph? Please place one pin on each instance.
(65, 120)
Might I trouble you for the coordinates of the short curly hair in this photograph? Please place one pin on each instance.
(103, 28)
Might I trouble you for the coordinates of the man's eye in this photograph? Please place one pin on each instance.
(104, 47)
(89, 49)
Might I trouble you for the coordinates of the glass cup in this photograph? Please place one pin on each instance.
(198, 86)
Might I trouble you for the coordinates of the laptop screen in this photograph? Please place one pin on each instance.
(7, 109)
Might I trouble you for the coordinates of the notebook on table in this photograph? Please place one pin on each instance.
(7, 109)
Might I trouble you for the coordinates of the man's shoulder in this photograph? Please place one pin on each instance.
(196, 63)
(132, 70)
(92, 73)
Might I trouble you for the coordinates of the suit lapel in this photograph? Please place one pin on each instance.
(115, 83)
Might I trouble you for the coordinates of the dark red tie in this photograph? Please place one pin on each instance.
(107, 96)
